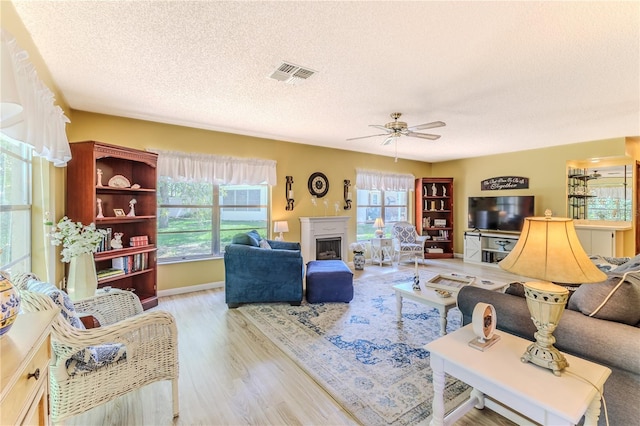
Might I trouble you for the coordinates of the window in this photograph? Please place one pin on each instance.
(15, 205)
(391, 206)
(198, 219)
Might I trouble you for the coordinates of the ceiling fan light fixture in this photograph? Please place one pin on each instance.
(396, 128)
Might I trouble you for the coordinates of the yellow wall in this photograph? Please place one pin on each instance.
(545, 168)
(293, 159)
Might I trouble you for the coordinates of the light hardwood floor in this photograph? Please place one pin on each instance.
(231, 375)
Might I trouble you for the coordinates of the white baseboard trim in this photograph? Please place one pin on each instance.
(190, 289)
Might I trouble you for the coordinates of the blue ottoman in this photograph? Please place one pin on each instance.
(329, 281)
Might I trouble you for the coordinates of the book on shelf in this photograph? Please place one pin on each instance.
(131, 263)
(105, 243)
(139, 240)
(109, 272)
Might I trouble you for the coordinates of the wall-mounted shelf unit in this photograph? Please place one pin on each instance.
(84, 187)
(578, 192)
(434, 215)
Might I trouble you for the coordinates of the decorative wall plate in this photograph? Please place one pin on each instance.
(119, 181)
(318, 184)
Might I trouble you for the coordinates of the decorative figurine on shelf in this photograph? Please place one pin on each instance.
(99, 183)
(416, 277)
(441, 204)
(116, 242)
(337, 207)
(503, 244)
(132, 211)
(444, 191)
(433, 189)
(99, 215)
(326, 206)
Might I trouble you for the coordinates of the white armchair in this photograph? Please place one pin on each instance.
(407, 241)
(142, 347)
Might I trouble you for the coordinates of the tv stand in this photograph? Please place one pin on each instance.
(488, 247)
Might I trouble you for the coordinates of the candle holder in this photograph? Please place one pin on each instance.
(347, 194)
(288, 193)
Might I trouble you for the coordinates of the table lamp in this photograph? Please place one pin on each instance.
(280, 226)
(549, 250)
(379, 224)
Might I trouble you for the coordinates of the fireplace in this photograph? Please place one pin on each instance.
(328, 248)
(323, 238)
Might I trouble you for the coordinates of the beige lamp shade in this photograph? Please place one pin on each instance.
(281, 226)
(379, 224)
(549, 250)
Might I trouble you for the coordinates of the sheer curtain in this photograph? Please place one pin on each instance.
(383, 181)
(220, 170)
(28, 111)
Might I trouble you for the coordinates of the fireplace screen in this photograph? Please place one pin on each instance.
(328, 248)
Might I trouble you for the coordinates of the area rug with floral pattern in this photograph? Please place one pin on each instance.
(373, 365)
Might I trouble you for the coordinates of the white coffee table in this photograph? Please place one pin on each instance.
(428, 296)
(497, 374)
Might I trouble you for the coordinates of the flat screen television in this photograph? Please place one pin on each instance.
(500, 213)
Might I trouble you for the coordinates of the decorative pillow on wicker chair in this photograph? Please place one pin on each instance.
(59, 297)
(94, 357)
(406, 235)
(88, 359)
(619, 301)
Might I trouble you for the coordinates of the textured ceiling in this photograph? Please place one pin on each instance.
(504, 76)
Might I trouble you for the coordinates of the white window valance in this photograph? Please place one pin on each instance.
(383, 181)
(29, 114)
(216, 169)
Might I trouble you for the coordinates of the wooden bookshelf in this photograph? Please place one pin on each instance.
(83, 191)
(434, 216)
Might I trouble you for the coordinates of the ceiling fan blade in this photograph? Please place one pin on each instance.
(390, 139)
(423, 136)
(378, 126)
(432, 125)
(364, 137)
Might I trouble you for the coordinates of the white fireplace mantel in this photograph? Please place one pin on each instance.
(313, 228)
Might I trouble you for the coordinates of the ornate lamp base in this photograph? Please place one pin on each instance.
(546, 302)
(548, 357)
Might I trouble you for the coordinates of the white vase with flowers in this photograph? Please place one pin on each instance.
(79, 242)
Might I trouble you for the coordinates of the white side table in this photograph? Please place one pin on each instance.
(497, 374)
(382, 250)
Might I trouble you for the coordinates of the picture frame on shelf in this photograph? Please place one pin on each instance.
(119, 212)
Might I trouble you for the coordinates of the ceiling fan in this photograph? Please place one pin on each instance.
(395, 129)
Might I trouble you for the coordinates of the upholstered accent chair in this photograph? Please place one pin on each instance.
(407, 241)
(89, 367)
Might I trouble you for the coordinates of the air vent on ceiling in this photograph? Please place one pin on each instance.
(291, 74)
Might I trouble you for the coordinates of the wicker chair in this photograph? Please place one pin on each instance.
(150, 339)
(407, 241)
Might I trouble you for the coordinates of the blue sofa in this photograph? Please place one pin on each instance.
(255, 274)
